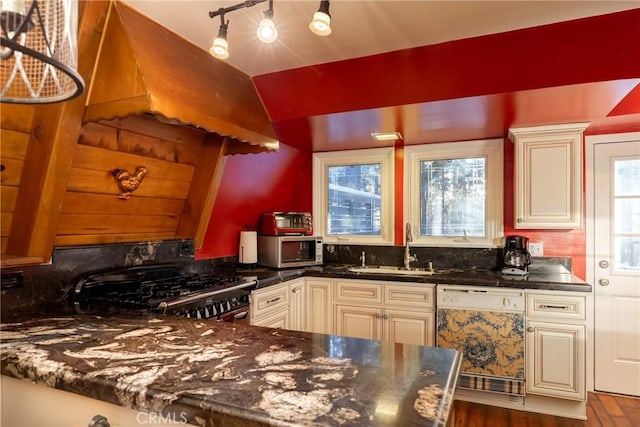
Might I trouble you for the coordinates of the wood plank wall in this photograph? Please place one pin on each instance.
(58, 186)
(16, 122)
(93, 213)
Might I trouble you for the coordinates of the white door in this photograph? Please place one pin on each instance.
(617, 271)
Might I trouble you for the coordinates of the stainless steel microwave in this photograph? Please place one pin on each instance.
(289, 251)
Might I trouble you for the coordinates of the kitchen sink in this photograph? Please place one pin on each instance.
(389, 269)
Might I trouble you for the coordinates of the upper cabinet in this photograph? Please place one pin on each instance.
(548, 176)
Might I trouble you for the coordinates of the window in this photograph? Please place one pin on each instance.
(454, 193)
(353, 201)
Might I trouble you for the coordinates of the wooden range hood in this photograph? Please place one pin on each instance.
(145, 69)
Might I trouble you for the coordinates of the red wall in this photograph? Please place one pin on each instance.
(596, 49)
(256, 183)
(252, 184)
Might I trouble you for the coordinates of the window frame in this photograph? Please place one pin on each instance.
(493, 151)
(322, 161)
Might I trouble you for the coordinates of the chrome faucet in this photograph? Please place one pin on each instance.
(408, 258)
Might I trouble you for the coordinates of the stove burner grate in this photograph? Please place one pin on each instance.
(165, 290)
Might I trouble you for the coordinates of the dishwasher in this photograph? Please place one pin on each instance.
(486, 325)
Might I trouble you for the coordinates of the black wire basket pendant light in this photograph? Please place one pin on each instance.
(38, 51)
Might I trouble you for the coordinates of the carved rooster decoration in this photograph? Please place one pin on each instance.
(128, 183)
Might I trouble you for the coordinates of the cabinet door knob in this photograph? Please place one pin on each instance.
(603, 282)
(520, 220)
(531, 329)
(603, 263)
(99, 421)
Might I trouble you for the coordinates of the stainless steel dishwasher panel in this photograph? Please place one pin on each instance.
(487, 326)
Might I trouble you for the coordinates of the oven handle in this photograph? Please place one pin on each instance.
(200, 295)
(234, 315)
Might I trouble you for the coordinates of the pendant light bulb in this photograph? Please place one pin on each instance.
(321, 23)
(267, 31)
(220, 46)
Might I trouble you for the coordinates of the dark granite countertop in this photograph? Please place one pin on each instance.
(214, 373)
(544, 277)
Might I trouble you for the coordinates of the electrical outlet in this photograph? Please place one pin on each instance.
(536, 249)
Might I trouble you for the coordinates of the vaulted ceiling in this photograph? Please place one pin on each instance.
(585, 70)
(434, 71)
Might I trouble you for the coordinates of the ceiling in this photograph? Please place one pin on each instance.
(330, 93)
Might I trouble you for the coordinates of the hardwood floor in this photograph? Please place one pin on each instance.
(603, 410)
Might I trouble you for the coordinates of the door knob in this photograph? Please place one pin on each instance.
(604, 263)
(603, 282)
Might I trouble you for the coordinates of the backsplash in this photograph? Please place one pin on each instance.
(48, 286)
(440, 257)
(24, 288)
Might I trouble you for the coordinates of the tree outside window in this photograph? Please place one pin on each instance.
(354, 199)
(452, 197)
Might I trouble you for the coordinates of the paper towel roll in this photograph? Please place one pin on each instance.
(248, 247)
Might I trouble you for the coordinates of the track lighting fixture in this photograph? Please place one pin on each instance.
(220, 46)
(321, 23)
(267, 31)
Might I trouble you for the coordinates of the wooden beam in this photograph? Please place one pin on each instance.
(48, 162)
(204, 189)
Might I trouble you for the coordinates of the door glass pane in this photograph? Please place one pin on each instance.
(627, 177)
(354, 199)
(453, 197)
(628, 253)
(626, 205)
(627, 215)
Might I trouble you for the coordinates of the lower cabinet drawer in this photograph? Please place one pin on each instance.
(556, 306)
(355, 291)
(277, 319)
(406, 295)
(267, 301)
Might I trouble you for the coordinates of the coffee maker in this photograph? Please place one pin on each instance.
(516, 256)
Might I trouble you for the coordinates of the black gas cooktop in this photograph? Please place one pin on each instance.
(164, 288)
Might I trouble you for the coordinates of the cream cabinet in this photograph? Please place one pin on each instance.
(297, 304)
(270, 306)
(408, 326)
(359, 322)
(280, 306)
(548, 176)
(390, 311)
(319, 309)
(555, 345)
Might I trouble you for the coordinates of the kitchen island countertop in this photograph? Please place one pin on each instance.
(214, 373)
